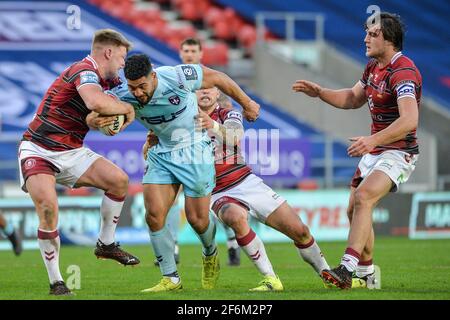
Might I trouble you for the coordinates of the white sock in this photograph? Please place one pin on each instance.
(364, 268)
(254, 248)
(110, 211)
(49, 243)
(311, 254)
(350, 259)
(232, 243)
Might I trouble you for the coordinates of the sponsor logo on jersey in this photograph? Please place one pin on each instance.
(163, 118)
(88, 77)
(234, 115)
(405, 89)
(189, 73)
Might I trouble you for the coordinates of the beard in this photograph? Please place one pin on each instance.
(144, 99)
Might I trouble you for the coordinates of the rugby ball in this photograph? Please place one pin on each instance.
(115, 127)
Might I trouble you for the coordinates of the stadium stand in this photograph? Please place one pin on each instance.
(427, 39)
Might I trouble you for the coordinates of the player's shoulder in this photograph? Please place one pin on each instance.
(189, 71)
(164, 69)
(371, 64)
(82, 65)
(401, 62)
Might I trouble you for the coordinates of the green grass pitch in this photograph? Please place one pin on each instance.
(410, 269)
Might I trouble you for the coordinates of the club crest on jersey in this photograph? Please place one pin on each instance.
(175, 100)
(381, 88)
(30, 163)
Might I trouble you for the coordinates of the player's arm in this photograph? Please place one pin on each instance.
(96, 100)
(230, 131)
(407, 122)
(95, 121)
(151, 141)
(213, 78)
(397, 130)
(350, 98)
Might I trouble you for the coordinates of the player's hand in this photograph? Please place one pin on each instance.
(129, 116)
(94, 120)
(203, 120)
(360, 146)
(251, 111)
(307, 87)
(151, 141)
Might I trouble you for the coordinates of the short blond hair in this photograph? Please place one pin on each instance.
(110, 37)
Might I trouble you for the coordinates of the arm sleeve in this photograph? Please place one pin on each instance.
(365, 77)
(86, 77)
(403, 83)
(233, 116)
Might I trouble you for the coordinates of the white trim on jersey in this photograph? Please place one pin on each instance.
(407, 96)
(396, 56)
(362, 84)
(83, 84)
(92, 60)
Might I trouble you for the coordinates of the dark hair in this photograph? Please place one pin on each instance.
(392, 28)
(137, 66)
(191, 42)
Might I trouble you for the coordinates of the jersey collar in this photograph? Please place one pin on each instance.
(92, 61)
(396, 56)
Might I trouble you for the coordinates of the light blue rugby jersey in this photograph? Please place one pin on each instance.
(170, 112)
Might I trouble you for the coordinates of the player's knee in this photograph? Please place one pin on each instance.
(232, 216)
(122, 181)
(198, 223)
(303, 234)
(154, 221)
(118, 183)
(363, 197)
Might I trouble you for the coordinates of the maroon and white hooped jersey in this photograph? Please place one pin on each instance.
(231, 168)
(60, 121)
(383, 88)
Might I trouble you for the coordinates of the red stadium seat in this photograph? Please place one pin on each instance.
(212, 16)
(215, 53)
(222, 30)
(247, 36)
(189, 11)
(236, 23)
(133, 15)
(177, 3)
(229, 14)
(155, 29)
